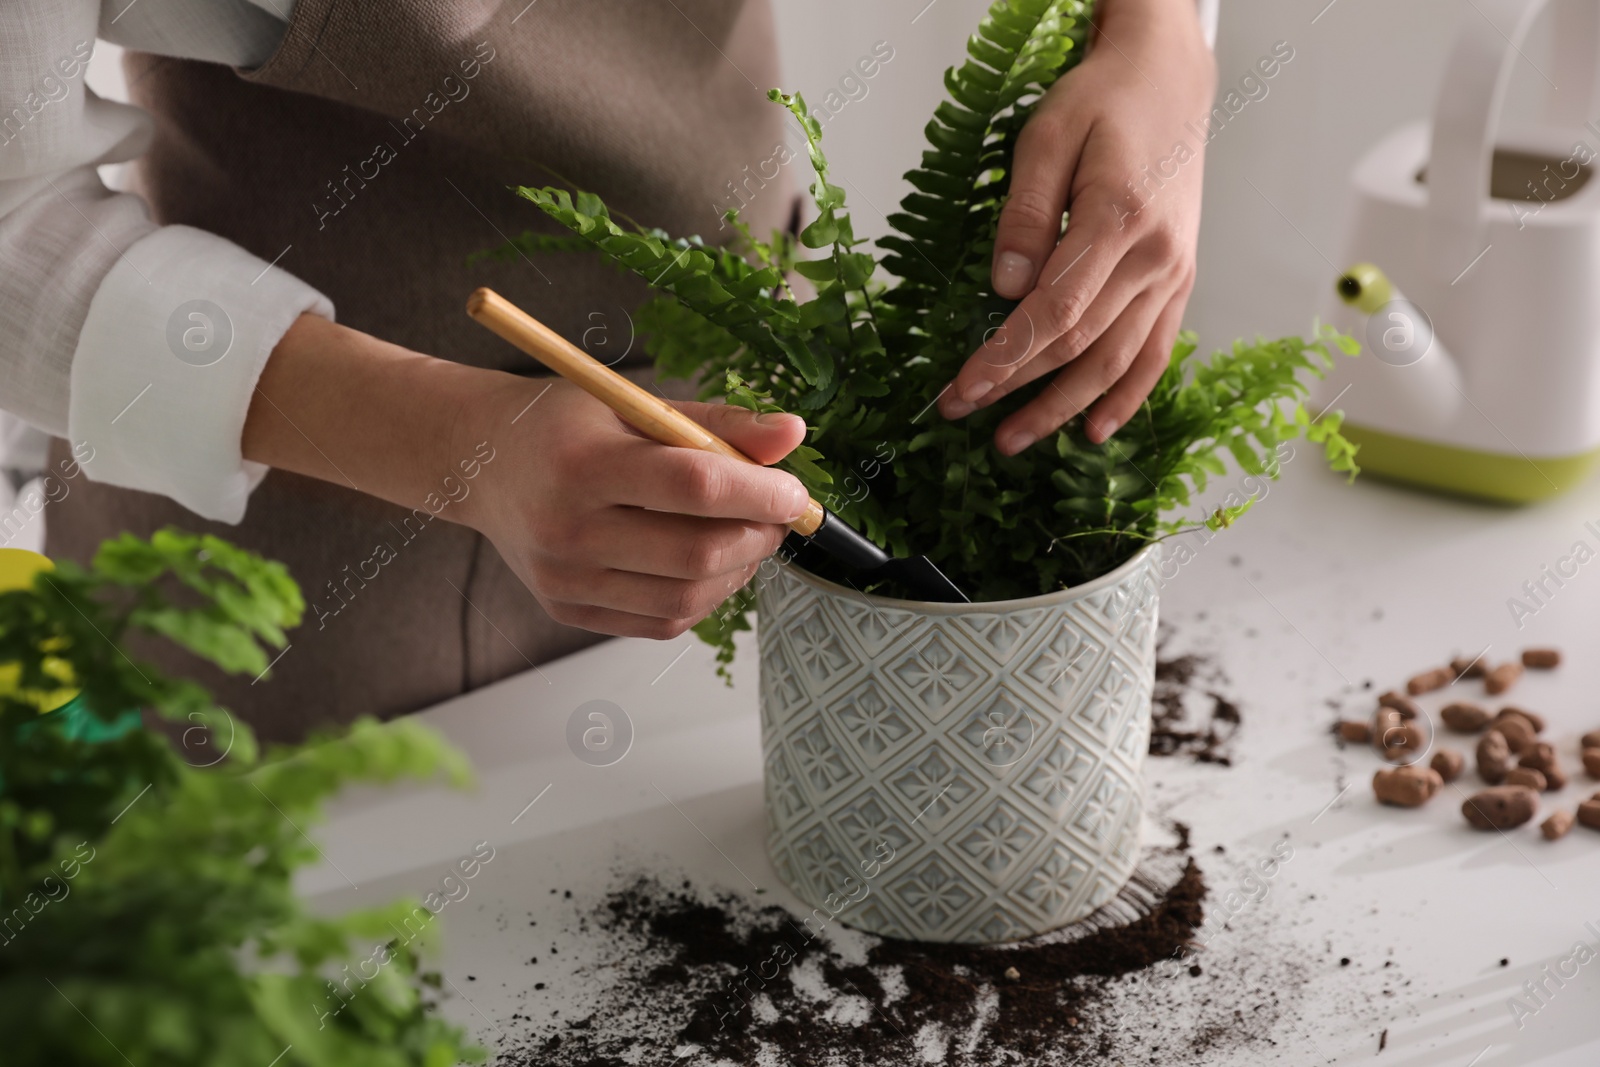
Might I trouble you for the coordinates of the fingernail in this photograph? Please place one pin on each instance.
(774, 418)
(1107, 428)
(1013, 443)
(958, 409)
(976, 391)
(1012, 273)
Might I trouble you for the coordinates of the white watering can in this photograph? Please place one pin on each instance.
(1476, 290)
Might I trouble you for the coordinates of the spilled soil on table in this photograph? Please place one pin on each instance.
(695, 978)
(740, 982)
(1190, 714)
(1017, 996)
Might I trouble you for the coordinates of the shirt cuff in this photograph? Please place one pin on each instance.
(175, 340)
(1208, 11)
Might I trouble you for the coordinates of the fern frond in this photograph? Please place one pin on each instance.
(946, 223)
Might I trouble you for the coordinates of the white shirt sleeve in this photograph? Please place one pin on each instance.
(1209, 10)
(98, 339)
(166, 362)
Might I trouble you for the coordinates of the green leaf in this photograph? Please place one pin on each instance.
(802, 463)
(822, 232)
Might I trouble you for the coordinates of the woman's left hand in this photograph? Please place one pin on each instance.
(1104, 301)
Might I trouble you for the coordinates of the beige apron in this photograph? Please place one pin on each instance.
(373, 153)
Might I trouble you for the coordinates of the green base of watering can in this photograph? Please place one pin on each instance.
(77, 723)
(1504, 479)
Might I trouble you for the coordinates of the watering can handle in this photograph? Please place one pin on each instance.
(1577, 68)
(1466, 116)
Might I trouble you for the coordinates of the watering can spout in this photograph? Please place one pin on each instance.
(1415, 381)
(1365, 288)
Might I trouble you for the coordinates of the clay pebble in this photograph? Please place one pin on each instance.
(1526, 777)
(1448, 763)
(1408, 708)
(1502, 678)
(1502, 807)
(1556, 826)
(1494, 757)
(1428, 681)
(1358, 732)
(1542, 758)
(1406, 787)
(1589, 812)
(1393, 736)
(1533, 718)
(1516, 730)
(1464, 718)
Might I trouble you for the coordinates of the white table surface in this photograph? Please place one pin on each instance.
(1322, 587)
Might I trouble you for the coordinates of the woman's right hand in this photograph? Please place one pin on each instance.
(610, 530)
(613, 532)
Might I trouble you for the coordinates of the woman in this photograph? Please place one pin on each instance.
(452, 517)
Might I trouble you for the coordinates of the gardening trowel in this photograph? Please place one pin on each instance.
(818, 529)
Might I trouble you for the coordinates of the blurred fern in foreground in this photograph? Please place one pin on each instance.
(147, 912)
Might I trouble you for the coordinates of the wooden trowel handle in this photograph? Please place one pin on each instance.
(650, 415)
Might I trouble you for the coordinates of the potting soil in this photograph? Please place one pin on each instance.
(1189, 716)
(696, 978)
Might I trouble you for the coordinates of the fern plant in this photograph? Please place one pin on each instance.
(147, 907)
(863, 359)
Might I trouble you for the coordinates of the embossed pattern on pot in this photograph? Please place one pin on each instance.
(998, 748)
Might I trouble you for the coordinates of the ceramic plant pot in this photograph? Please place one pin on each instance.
(952, 772)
